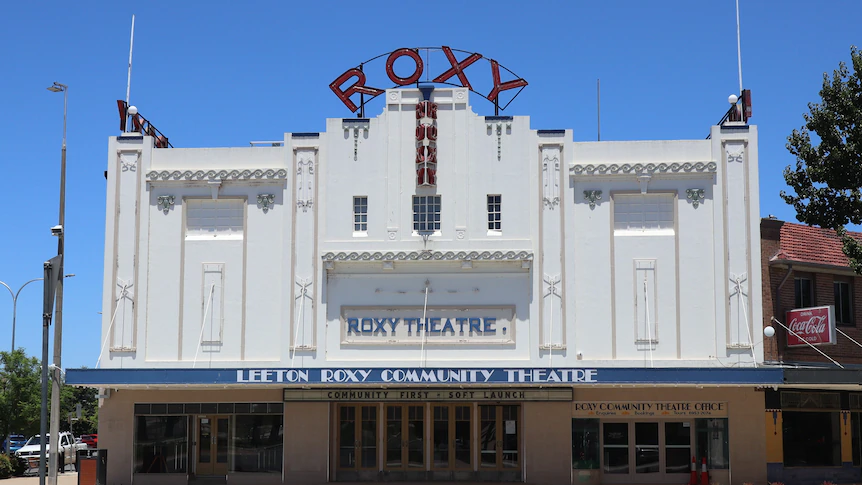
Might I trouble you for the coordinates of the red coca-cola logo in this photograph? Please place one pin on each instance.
(812, 325)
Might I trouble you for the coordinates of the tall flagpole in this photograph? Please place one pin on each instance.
(738, 48)
(132, 44)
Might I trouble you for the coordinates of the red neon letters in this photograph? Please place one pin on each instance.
(498, 88)
(390, 64)
(357, 87)
(457, 69)
(426, 143)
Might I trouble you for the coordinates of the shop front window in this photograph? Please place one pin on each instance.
(711, 435)
(646, 448)
(616, 447)
(677, 452)
(161, 444)
(811, 438)
(258, 443)
(585, 444)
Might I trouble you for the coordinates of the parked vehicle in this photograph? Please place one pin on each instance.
(91, 440)
(13, 443)
(68, 450)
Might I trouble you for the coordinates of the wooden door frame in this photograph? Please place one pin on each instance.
(213, 465)
(357, 430)
(405, 436)
(500, 425)
(662, 476)
(451, 425)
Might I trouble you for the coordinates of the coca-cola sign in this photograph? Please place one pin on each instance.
(816, 326)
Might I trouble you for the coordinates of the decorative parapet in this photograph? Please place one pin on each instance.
(642, 168)
(247, 174)
(360, 256)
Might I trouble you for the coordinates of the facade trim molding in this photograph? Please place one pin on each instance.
(641, 168)
(428, 256)
(247, 174)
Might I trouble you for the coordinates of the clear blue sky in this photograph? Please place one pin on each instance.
(221, 73)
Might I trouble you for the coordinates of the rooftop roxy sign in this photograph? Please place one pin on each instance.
(411, 68)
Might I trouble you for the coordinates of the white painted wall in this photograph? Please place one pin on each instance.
(298, 268)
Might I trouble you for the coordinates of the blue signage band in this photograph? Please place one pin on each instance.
(411, 375)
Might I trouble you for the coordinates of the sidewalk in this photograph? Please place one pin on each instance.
(68, 478)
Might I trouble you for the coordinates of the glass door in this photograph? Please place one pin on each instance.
(499, 437)
(405, 437)
(451, 436)
(357, 437)
(212, 445)
(646, 451)
(646, 448)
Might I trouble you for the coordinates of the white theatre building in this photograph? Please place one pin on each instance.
(432, 294)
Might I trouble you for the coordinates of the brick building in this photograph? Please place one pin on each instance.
(813, 420)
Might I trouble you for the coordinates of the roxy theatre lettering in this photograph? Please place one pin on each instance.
(439, 325)
(463, 326)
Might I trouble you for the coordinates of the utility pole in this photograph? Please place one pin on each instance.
(53, 464)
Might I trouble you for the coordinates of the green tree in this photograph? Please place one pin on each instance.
(70, 397)
(20, 400)
(827, 178)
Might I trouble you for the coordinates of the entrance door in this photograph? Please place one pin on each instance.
(405, 437)
(646, 451)
(451, 433)
(499, 443)
(212, 445)
(357, 437)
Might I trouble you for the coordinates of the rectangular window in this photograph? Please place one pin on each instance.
(677, 447)
(810, 400)
(426, 213)
(843, 307)
(360, 214)
(811, 438)
(494, 212)
(646, 444)
(585, 444)
(221, 218)
(804, 293)
(711, 439)
(643, 212)
(161, 444)
(616, 447)
(258, 443)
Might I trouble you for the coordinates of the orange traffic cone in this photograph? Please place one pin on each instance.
(704, 475)
(693, 479)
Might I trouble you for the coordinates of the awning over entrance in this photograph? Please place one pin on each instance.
(427, 376)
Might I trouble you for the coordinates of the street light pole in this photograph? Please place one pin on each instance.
(15, 304)
(58, 310)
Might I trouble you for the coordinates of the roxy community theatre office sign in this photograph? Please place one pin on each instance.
(406, 66)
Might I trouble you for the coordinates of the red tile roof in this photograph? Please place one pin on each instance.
(806, 244)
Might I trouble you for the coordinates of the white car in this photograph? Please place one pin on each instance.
(68, 450)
